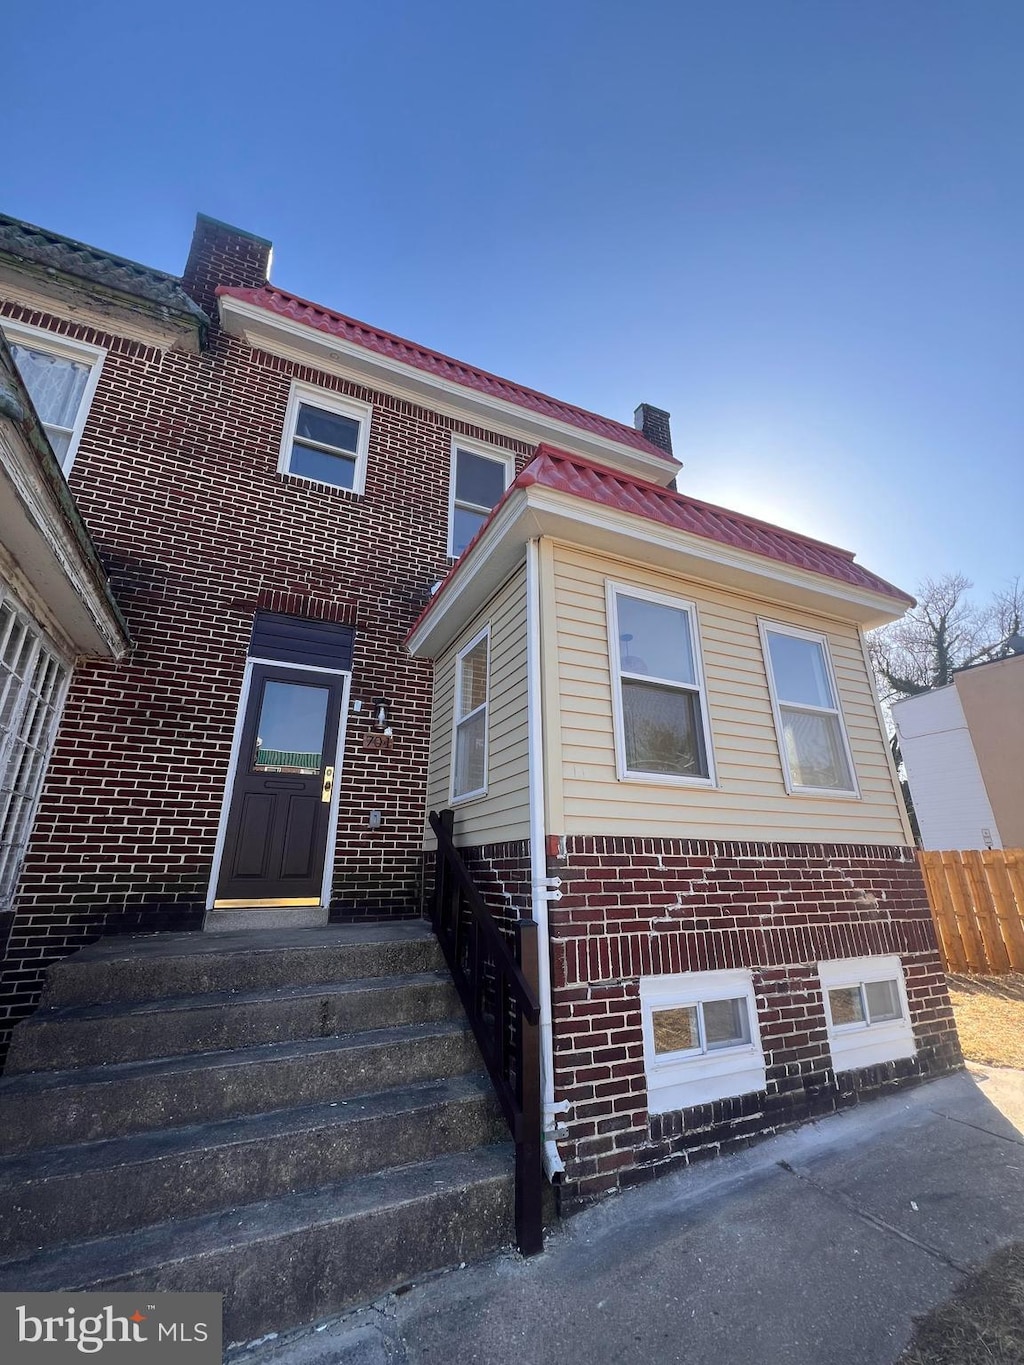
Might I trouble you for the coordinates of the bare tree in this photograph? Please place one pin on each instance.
(945, 631)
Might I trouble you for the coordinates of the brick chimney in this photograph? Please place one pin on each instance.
(654, 423)
(221, 254)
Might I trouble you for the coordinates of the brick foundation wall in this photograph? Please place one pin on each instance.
(633, 908)
(177, 479)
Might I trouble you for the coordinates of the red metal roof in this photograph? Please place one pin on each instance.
(564, 473)
(568, 474)
(442, 366)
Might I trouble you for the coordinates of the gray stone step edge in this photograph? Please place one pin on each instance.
(288, 1261)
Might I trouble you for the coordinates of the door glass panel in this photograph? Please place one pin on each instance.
(290, 733)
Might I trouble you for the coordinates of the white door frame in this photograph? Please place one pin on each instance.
(332, 826)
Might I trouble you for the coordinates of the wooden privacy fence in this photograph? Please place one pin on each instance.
(977, 900)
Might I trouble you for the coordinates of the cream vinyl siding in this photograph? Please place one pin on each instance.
(750, 800)
(504, 812)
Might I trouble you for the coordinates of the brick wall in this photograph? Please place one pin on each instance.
(177, 479)
(633, 908)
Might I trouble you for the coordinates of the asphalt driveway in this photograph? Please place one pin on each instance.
(817, 1247)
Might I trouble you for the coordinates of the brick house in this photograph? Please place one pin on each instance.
(653, 719)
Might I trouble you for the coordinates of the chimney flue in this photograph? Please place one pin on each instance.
(654, 424)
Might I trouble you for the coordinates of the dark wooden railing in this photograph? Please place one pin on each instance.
(498, 989)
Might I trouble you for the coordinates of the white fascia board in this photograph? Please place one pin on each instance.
(266, 331)
(57, 578)
(539, 511)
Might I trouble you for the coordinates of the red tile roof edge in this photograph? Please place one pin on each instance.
(544, 471)
(640, 497)
(435, 362)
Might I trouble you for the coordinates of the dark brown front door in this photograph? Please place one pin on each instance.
(280, 805)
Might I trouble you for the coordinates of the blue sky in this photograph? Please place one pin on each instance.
(796, 224)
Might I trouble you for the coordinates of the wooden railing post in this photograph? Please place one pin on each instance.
(529, 1174)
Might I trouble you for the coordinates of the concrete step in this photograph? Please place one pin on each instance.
(100, 1188)
(137, 967)
(91, 1035)
(55, 1108)
(292, 1260)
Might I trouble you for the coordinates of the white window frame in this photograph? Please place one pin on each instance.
(623, 771)
(503, 457)
(340, 405)
(458, 799)
(65, 348)
(866, 1044)
(767, 628)
(679, 1080)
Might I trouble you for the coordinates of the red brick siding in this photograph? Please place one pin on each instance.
(176, 477)
(636, 907)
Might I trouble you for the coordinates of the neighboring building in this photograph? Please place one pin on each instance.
(963, 747)
(654, 720)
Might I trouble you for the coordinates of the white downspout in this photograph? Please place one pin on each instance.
(543, 890)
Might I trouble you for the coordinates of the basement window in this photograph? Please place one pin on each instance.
(325, 438)
(701, 1041)
(866, 1011)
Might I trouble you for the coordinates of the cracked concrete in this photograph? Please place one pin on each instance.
(817, 1247)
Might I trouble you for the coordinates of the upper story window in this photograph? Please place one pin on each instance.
(61, 378)
(477, 483)
(658, 695)
(469, 748)
(325, 438)
(812, 738)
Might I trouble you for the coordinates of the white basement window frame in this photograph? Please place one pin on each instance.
(634, 673)
(470, 502)
(866, 1011)
(697, 1010)
(61, 376)
(823, 715)
(470, 722)
(318, 449)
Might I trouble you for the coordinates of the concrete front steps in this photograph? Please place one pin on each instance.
(297, 1119)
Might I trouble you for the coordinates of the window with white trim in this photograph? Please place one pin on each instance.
(61, 377)
(812, 738)
(701, 1039)
(469, 746)
(325, 438)
(658, 694)
(477, 483)
(866, 1011)
(33, 683)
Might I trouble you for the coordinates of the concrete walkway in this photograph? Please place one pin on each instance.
(817, 1247)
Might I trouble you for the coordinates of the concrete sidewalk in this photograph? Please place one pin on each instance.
(817, 1247)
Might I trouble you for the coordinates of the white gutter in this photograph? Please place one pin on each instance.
(543, 888)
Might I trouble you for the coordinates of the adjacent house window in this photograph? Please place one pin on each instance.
(701, 1041)
(866, 1011)
(812, 738)
(659, 702)
(61, 378)
(478, 481)
(325, 438)
(469, 759)
(33, 682)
